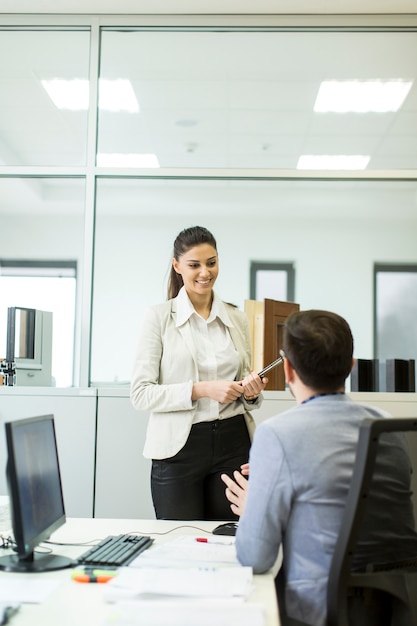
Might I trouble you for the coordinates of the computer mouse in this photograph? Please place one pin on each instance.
(229, 528)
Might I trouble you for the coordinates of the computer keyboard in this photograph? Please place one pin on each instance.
(115, 551)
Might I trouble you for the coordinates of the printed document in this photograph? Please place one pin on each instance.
(206, 582)
(186, 551)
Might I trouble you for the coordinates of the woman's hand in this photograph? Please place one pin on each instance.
(224, 391)
(252, 385)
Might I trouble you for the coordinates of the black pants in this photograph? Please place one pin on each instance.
(188, 486)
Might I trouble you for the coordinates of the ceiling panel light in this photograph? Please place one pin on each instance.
(354, 96)
(127, 160)
(117, 95)
(73, 95)
(332, 162)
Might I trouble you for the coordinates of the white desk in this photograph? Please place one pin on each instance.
(79, 604)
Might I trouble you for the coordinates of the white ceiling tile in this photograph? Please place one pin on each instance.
(398, 145)
(207, 7)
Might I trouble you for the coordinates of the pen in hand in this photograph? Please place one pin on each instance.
(269, 367)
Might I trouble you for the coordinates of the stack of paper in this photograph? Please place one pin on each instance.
(183, 583)
(32, 590)
(5, 523)
(185, 614)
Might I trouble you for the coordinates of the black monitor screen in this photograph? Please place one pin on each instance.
(35, 492)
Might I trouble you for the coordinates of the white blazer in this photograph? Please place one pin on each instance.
(163, 375)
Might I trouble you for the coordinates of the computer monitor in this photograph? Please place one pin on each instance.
(35, 493)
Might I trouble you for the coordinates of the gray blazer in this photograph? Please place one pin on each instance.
(165, 370)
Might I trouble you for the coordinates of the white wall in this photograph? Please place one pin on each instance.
(42, 236)
(333, 260)
(333, 257)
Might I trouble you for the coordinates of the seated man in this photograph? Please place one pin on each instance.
(301, 464)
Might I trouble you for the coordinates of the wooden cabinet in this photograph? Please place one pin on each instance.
(266, 321)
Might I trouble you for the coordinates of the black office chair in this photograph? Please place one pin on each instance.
(387, 588)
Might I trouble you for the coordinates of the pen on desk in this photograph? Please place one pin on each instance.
(219, 543)
(7, 611)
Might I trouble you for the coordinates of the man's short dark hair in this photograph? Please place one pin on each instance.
(319, 346)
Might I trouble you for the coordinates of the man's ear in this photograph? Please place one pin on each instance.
(288, 371)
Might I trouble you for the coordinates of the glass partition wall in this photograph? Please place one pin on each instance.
(44, 76)
(43, 155)
(293, 145)
(258, 99)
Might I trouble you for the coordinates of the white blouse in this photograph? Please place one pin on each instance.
(217, 356)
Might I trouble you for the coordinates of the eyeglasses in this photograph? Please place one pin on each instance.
(282, 354)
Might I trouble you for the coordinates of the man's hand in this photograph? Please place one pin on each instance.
(236, 491)
(245, 469)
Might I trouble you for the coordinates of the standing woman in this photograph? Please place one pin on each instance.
(192, 372)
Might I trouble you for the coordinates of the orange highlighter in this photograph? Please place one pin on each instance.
(93, 576)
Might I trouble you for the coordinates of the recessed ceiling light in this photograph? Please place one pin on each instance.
(355, 96)
(186, 123)
(127, 160)
(332, 162)
(73, 95)
(117, 95)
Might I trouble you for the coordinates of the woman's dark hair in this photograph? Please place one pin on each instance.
(187, 239)
(319, 346)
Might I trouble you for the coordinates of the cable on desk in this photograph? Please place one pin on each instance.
(7, 542)
(132, 532)
(201, 530)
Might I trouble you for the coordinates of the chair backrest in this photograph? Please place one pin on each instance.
(373, 434)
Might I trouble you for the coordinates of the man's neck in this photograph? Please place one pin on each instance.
(302, 393)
